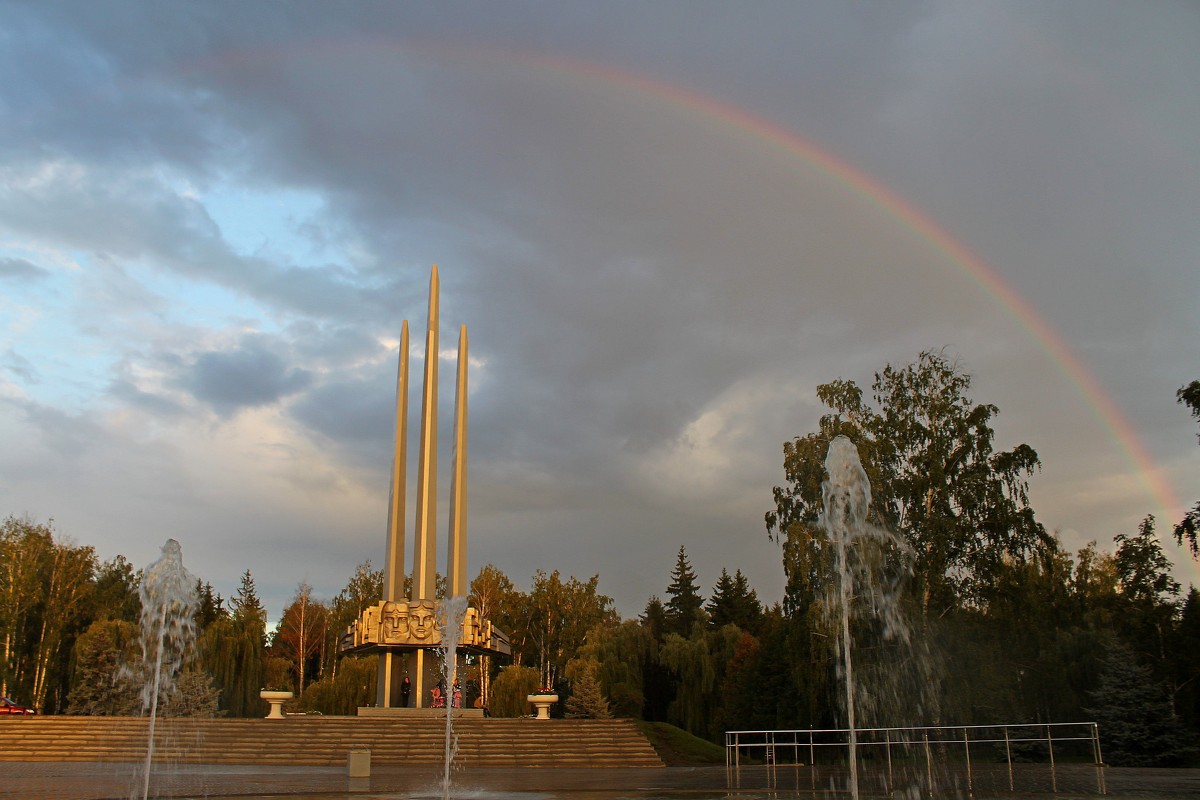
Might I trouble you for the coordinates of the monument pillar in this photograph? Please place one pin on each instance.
(456, 549)
(391, 663)
(424, 575)
(403, 627)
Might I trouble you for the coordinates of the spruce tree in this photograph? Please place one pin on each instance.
(1138, 727)
(684, 603)
(235, 649)
(733, 602)
(587, 699)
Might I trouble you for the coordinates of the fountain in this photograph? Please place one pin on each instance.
(864, 588)
(453, 610)
(168, 631)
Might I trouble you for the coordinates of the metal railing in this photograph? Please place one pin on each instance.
(913, 745)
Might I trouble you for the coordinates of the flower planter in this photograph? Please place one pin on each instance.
(542, 703)
(276, 699)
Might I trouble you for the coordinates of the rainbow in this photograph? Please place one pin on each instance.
(787, 142)
(920, 224)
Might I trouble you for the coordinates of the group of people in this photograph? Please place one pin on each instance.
(437, 694)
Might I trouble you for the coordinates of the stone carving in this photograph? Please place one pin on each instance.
(423, 624)
(394, 623)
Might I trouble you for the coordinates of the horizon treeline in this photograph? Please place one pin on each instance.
(1006, 625)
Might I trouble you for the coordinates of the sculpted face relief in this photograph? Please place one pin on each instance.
(394, 623)
(423, 621)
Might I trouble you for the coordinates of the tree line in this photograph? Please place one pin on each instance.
(1007, 625)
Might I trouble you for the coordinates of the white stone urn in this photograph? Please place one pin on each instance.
(276, 699)
(542, 703)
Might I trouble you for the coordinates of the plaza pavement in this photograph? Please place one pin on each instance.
(100, 781)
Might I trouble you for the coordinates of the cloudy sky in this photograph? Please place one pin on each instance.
(663, 224)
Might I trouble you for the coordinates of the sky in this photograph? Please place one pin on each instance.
(664, 225)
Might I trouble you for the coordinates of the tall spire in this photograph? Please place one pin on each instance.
(424, 580)
(456, 549)
(393, 576)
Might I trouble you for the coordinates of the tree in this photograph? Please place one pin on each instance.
(45, 599)
(625, 657)
(211, 605)
(68, 594)
(936, 478)
(24, 546)
(300, 635)
(115, 595)
(733, 602)
(510, 690)
(700, 662)
(343, 693)
(1138, 728)
(586, 700)
(100, 686)
(233, 651)
(654, 618)
(1187, 529)
(364, 588)
(1151, 595)
(1186, 653)
(492, 594)
(556, 617)
(684, 601)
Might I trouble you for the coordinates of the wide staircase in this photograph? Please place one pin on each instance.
(327, 741)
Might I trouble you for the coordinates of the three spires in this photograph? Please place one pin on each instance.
(424, 570)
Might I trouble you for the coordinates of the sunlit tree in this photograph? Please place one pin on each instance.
(935, 474)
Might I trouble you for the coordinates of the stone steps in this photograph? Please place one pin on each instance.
(326, 741)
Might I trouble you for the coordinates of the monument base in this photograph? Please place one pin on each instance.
(424, 713)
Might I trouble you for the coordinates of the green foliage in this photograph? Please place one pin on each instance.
(232, 651)
(1185, 650)
(116, 591)
(586, 700)
(365, 588)
(302, 637)
(683, 597)
(1138, 727)
(1150, 596)
(654, 618)
(700, 664)
(46, 594)
(1187, 529)
(733, 602)
(233, 648)
(936, 478)
(493, 595)
(677, 747)
(351, 686)
(210, 608)
(510, 690)
(622, 654)
(553, 619)
(99, 685)
(193, 696)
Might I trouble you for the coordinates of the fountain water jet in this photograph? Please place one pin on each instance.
(453, 610)
(168, 631)
(863, 586)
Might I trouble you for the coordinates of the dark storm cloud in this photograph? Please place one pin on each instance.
(351, 412)
(627, 264)
(251, 374)
(20, 269)
(66, 93)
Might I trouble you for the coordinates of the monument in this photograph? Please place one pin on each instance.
(403, 627)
